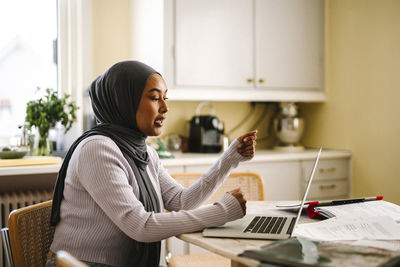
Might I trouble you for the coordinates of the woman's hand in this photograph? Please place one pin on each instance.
(247, 146)
(237, 193)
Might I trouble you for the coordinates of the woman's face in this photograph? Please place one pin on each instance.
(152, 109)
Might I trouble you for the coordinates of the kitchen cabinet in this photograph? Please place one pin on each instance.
(240, 50)
(331, 178)
(289, 45)
(285, 174)
(214, 43)
(275, 175)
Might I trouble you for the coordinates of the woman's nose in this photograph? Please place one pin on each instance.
(164, 107)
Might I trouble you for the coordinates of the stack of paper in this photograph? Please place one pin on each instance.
(362, 210)
(351, 228)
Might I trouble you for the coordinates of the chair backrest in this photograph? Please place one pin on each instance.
(30, 234)
(64, 259)
(251, 184)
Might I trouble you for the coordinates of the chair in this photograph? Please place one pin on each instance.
(64, 259)
(252, 186)
(29, 235)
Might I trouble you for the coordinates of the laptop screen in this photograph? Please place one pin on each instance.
(307, 189)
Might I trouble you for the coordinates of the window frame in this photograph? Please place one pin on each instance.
(74, 56)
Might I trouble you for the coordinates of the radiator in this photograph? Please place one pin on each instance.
(16, 200)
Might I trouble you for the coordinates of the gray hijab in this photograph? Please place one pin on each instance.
(115, 97)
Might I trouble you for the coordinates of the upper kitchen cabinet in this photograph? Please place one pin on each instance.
(213, 43)
(235, 50)
(289, 45)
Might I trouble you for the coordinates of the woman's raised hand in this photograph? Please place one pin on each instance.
(247, 146)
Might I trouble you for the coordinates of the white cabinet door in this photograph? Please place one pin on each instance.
(281, 179)
(331, 179)
(197, 168)
(289, 44)
(175, 169)
(213, 43)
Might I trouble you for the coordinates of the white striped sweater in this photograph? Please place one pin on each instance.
(101, 212)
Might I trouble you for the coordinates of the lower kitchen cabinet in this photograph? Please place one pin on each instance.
(175, 169)
(280, 178)
(285, 176)
(332, 178)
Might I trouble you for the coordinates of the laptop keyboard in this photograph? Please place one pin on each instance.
(266, 225)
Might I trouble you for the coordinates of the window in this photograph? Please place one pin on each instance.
(28, 34)
(37, 24)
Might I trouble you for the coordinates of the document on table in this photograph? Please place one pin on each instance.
(335, 229)
(364, 209)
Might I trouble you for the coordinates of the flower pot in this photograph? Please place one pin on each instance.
(43, 146)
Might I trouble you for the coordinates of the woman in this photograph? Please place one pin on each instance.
(112, 190)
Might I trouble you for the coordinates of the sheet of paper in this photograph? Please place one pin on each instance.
(334, 229)
(378, 244)
(366, 209)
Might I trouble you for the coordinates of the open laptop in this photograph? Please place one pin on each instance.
(262, 226)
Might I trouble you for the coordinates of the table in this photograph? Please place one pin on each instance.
(231, 247)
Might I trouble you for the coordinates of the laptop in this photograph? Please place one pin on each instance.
(263, 226)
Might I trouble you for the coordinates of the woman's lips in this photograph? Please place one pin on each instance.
(159, 122)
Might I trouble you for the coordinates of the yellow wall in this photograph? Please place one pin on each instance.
(231, 113)
(111, 33)
(363, 71)
(363, 79)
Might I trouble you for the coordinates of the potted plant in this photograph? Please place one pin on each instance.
(45, 112)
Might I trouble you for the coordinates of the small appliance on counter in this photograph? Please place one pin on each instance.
(206, 132)
(289, 127)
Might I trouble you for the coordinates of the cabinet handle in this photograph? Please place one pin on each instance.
(250, 80)
(327, 187)
(327, 170)
(261, 80)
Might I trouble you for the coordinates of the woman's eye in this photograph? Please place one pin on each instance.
(158, 98)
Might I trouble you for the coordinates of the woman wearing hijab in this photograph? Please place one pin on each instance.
(112, 189)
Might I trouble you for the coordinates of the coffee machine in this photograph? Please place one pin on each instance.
(206, 132)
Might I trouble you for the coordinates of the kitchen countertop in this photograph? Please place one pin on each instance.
(198, 159)
(262, 155)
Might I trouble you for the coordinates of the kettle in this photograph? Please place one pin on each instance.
(206, 132)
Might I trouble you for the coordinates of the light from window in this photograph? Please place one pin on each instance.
(28, 30)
